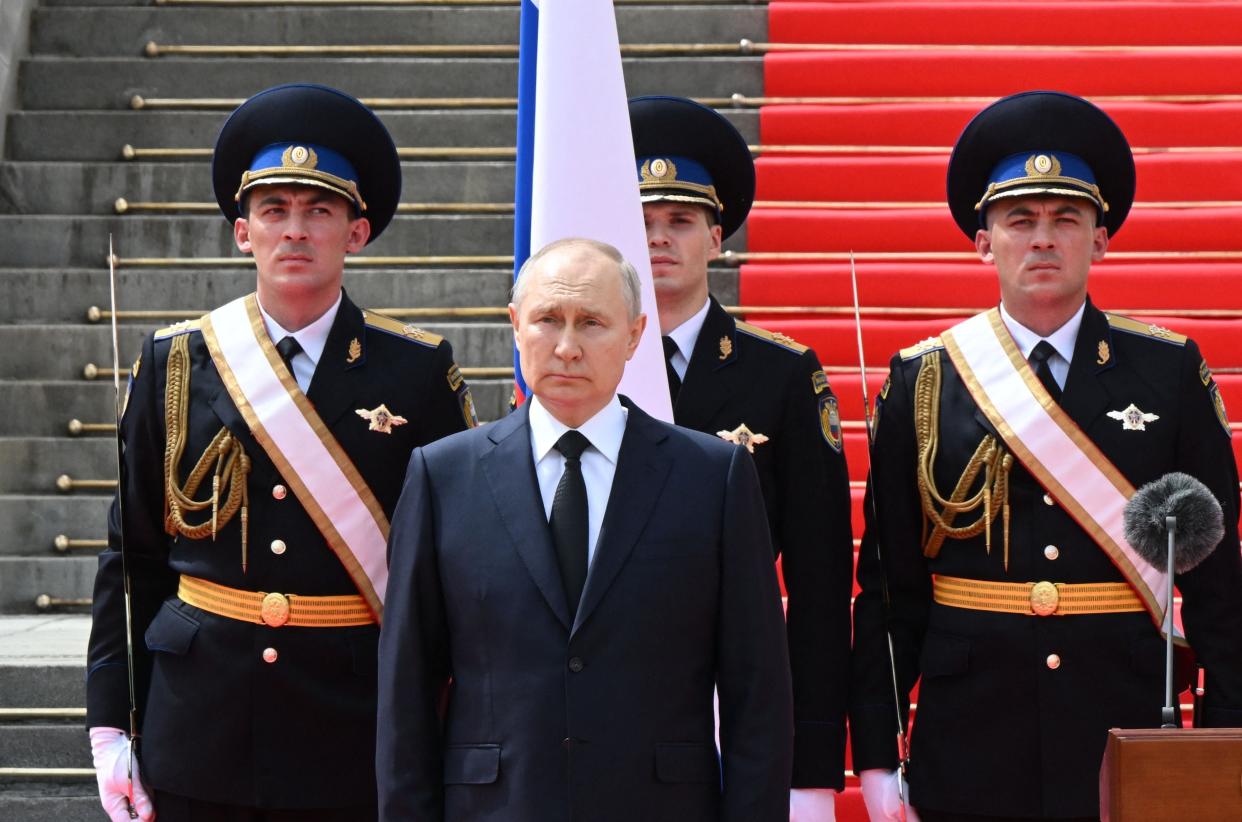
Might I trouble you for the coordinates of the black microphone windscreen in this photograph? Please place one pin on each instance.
(1200, 522)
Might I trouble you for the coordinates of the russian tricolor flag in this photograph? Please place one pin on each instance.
(575, 161)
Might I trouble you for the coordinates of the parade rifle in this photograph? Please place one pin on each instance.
(903, 747)
(118, 407)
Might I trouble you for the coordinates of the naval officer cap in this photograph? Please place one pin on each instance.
(1040, 143)
(307, 134)
(689, 153)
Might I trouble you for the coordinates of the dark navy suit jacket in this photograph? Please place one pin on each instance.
(494, 705)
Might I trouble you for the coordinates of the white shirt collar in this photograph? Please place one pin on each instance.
(1062, 339)
(687, 334)
(605, 430)
(312, 338)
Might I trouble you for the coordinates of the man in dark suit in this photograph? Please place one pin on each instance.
(1004, 452)
(264, 448)
(567, 586)
(766, 391)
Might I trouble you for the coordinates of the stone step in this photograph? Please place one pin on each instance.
(93, 83)
(41, 408)
(59, 352)
(42, 185)
(43, 745)
(22, 579)
(33, 521)
(86, 32)
(43, 661)
(40, 295)
(46, 241)
(30, 465)
(62, 801)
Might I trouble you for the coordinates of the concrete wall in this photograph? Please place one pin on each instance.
(14, 36)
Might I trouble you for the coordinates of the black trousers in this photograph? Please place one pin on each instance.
(170, 807)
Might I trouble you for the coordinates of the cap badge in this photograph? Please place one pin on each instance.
(1043, 165)
(299, 157)
(744, 437)
(658, 170)
(1132, 419)
(726, 348)
(1104, 353)
(381, 419)
(355, 351)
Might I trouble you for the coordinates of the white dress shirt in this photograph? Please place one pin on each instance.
(599, 462)
(1062, 340)
(686, 335)
(312, 338)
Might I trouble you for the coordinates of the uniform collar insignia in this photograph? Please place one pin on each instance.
(744, 437)
(381, 419)
(355, 351)
(1132, 419)
(726, 348)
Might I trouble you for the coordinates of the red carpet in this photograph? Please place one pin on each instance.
(1078, 23)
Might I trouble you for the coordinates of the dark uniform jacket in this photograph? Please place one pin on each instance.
(740, 374)
(1001, 728)
(218, 722)
(607, 716)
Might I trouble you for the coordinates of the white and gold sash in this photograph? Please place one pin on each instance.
(309, 458)
(1051, 446)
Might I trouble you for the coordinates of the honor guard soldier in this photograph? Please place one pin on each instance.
(762, 390)
(265, 445)
(1005, 450)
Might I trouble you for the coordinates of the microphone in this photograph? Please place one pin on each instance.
(1200, 521)
(1176, 505)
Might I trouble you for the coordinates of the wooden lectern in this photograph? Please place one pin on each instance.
(1173, 774)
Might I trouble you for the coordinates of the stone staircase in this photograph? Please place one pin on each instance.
(86, 90)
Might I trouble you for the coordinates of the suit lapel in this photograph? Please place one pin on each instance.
(1086, 396)
(510, 471)
(642, 469)
(708, 384)
(340, 371)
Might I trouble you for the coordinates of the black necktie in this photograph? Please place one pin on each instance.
(674, 381)
(1039, 361)
(288, 348)
(569, 518)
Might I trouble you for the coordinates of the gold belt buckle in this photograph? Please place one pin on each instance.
(275, 610)
(1045, 598)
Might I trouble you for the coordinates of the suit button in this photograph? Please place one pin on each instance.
(278, 546)
(1051, 551)
(1048, 500)
(576, 665)
(1053, 661)
(279, 491)
(269, 655)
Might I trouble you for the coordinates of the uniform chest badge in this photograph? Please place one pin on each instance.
(744, 437)
(1132, 419)
(381, 419)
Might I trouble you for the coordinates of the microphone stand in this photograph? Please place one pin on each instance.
(1168, 713)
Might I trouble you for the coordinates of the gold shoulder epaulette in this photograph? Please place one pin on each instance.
(1143, 329)
(774, 337)
(921, 348)
(400, 329)
(182, 327)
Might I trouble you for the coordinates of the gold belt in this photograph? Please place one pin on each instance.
(1037, 598)
(275, 609)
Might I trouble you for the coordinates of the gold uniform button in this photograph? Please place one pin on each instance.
(1047, 500)
(279, 491)
(269, 655)
(278, 546)
(1051, 551)
(1053, 661)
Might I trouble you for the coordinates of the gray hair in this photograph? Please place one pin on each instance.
(631, 286)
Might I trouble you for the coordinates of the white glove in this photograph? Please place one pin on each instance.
(110, 750)
(881, 793)
(812, 805)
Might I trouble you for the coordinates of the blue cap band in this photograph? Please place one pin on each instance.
(1055, 173)
(676, 179)
(303, 164)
